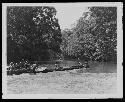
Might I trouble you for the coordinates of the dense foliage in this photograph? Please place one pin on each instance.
(106, 31)
(94, 37)
(33, 33)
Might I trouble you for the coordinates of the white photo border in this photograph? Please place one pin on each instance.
(119, 93)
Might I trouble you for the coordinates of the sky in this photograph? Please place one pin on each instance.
(68, 15)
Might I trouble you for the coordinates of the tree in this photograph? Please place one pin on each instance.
(66, 33)
(34, 30)
(78, 41)
(85, 38)
(94, 37)
(105, 31)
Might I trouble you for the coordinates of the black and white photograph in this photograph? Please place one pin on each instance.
(62, 50)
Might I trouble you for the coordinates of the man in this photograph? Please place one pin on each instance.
(33, 68)
(86, 65)
(80, 64)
